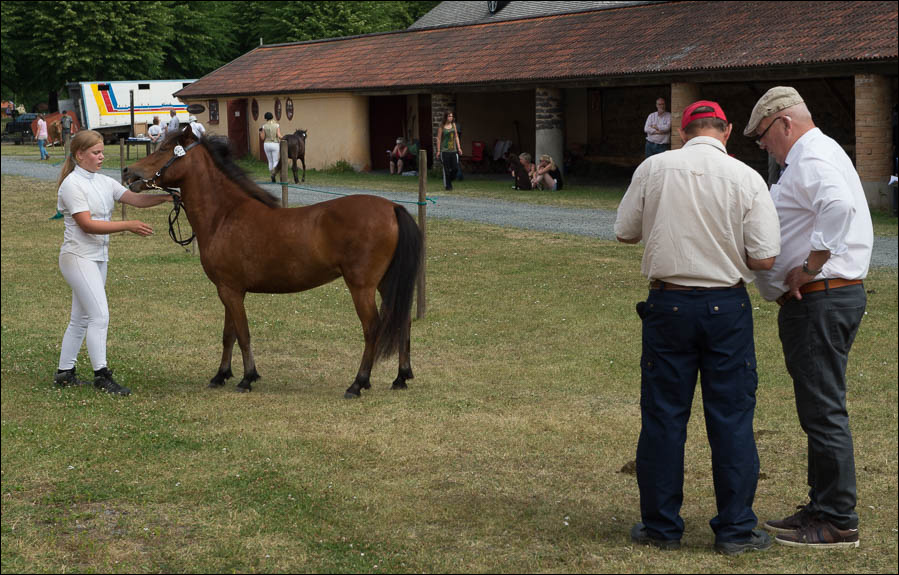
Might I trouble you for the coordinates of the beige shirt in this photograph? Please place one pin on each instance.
(270, 129)
(699, 212)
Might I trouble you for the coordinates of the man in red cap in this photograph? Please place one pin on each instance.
(707, 221)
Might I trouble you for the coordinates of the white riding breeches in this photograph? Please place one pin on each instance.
(90, 310)
(273, 153)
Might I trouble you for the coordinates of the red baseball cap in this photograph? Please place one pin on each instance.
(690, 115)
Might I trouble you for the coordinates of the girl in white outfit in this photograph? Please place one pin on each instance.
(270, 134)
(86, 199)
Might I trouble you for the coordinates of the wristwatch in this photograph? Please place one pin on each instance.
(808, 271)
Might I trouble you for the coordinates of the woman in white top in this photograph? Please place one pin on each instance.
(86, 199)
(270, 134)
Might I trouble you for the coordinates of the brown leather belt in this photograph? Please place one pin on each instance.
(659, 284)
(819, 285)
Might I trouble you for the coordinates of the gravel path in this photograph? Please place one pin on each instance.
(584, 222)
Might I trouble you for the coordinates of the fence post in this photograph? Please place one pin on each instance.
(122, 172)
(422, 225)
(283, 150)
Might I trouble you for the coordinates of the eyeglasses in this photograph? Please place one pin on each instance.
(758, 141)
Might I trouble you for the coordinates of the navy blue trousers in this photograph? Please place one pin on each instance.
(686, 333)
(651, 148)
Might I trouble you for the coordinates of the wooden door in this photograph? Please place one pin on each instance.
(238, 127)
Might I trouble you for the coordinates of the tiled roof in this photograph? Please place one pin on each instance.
(456, 12)
(669, 38)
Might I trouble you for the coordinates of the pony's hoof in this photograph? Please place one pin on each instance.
(244, 387)
(219, 379)
(399, 384)
(351, 395)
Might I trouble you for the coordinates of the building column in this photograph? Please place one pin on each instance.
(873, 137)
(440, 103)
(682, 95)
(549, 121)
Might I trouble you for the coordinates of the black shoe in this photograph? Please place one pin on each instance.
(640, 536)
(67, 378)
(103, 380)
(792, 523)
(273, 179)
(758, 541)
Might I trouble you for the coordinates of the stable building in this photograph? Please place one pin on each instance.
(572, 79)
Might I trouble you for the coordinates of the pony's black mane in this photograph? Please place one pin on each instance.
(219, 149)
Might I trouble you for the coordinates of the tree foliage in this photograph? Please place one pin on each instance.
(278, 22)
(47, 44)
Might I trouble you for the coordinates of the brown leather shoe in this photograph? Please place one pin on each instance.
(820, 533)
(792, 523)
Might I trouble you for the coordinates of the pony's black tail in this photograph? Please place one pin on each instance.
(397, 287)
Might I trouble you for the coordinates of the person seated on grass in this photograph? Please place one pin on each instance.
(547, 176)
(522, 171)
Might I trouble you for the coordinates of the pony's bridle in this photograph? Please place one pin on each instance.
(179, 152)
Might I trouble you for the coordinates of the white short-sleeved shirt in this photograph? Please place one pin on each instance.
(699, 213)
(198, 129)
(822, 206)
(84, 191)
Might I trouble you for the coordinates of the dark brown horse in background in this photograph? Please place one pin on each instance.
(250, 244)
(296, 150)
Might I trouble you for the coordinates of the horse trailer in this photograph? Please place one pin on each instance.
(126, 108)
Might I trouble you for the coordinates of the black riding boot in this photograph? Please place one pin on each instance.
(103, 380)
(67, 378)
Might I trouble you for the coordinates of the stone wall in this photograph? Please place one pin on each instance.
(549, 119)
(873, 136)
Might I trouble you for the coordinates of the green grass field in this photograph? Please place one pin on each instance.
(510, 452)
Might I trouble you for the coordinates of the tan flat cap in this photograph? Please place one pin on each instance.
(774, 100)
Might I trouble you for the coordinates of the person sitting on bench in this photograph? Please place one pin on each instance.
(400, 156)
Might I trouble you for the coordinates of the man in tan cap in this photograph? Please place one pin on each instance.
(826, 241)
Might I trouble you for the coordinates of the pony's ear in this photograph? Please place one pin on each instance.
(187, 136)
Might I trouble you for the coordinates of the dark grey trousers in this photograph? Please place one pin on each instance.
(816, 333)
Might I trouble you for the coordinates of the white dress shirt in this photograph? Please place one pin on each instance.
(822, 206)
(699, 212)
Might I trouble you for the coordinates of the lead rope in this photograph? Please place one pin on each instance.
(173, 221)
(176, 199)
